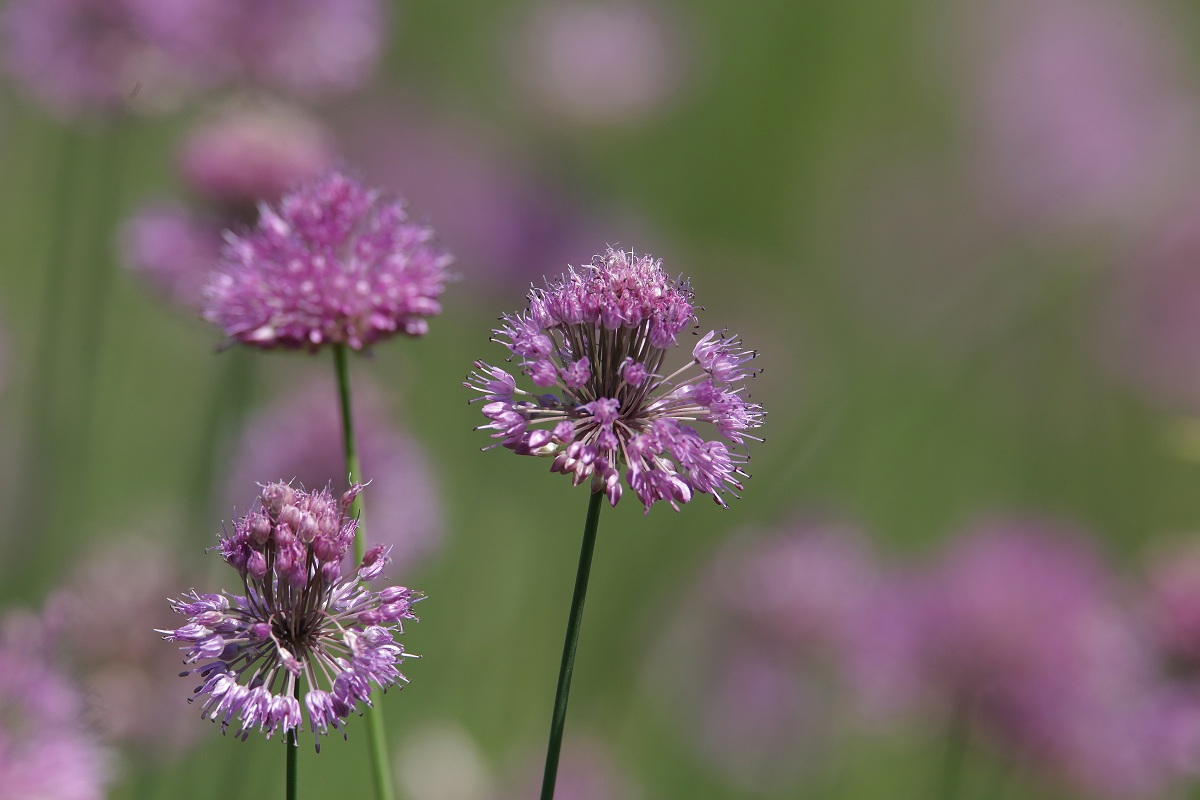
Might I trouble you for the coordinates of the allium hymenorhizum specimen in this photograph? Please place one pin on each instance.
(602, 335)
(302, 620)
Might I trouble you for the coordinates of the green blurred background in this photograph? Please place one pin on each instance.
(814, 167)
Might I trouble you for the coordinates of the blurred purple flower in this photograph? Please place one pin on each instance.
(1173, 606)
(1082, 114)
(598, 63)
(586, 771)
(301, 437)
(303, 614)
(94, 55)
(130, 679)
(1024, 633)
(305, 47)
(80, 56)
(1151, 329)
(502, 223)
(781, 611)
(803, 588)
(174, 250)
(335, 264)
(45, 751)
(601, 334)
(254, 153)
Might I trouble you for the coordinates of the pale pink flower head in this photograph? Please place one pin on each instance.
(173, 249)
(46, 749)
(309, 48)
(129, 678)
(335, 263)
(801, 589)
(253, 153)
(300, 436)
(601, 335)
(602, 63)
(303, 615)
(1083, 114)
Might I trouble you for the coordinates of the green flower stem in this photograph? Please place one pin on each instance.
(40, 447)
(293, 751)
(951, 774)
(376, 735)
(559, 718)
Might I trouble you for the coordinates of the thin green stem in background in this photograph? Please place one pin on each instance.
(40, 445)
(376, 734)
(293, 751)
(559, 718)
(953, 761)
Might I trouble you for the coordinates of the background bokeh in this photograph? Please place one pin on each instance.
(964, 237)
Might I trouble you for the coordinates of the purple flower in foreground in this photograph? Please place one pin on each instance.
(45, 751)
(337, 263)
(601, 334)
(302, 616)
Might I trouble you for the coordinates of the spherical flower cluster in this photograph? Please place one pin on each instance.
(601, 335)
(301, 617)
(337, 263)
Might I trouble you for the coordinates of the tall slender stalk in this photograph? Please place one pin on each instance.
(953, 761)
(292, 755)
(559, 717)
(376, 734)
(40, 445)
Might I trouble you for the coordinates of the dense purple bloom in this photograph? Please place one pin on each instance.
(302, 617)
(336, 263)
(254, 153)
(301, 436)
(45, 750)
(602, 334)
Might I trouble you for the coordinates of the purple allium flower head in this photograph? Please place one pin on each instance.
(174, 249)
(601, 335)
(45, 750)
(302, 434)
(252, 153)
(302, 617)
(336, 263)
